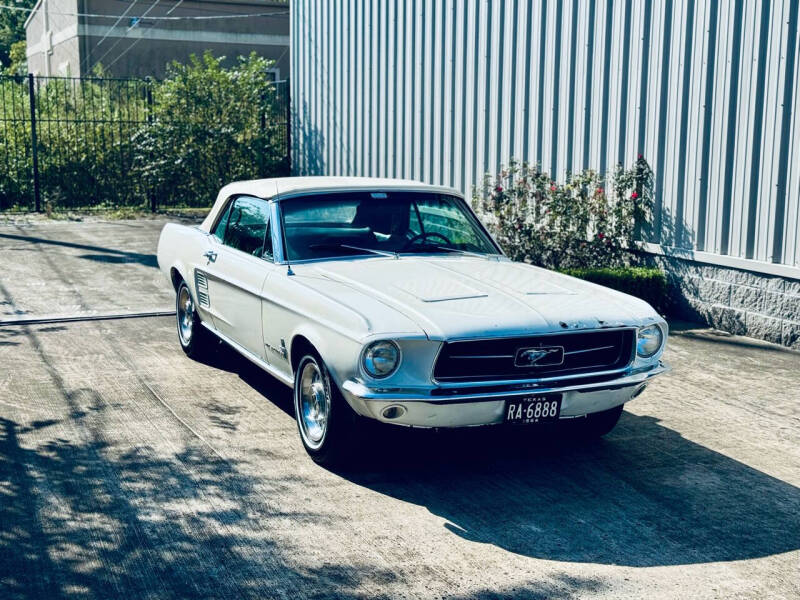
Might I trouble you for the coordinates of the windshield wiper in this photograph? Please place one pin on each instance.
(332, 246)
(467, 252)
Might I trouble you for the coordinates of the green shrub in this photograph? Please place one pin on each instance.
(577, 224)
(210, 126)
(647, 283)
(84, 142)
(106, 142)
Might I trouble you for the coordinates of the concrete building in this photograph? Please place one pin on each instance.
(137, 39)
(444, 91)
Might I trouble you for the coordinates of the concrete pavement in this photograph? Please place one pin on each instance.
(127, 469)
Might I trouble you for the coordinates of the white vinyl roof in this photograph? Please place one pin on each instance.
(280, 186)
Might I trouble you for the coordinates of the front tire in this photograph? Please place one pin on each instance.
(194, 339)
(324, 418)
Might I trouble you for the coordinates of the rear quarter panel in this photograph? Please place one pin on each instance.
(179, 249)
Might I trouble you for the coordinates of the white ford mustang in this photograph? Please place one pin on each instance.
(387, 299)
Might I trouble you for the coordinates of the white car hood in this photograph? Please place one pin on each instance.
(461, 296)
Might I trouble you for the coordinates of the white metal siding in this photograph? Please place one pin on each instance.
(444, 90)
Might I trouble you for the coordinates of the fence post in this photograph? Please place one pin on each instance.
(288, 126)
(263, 121)
(34, 150)
(149, 88)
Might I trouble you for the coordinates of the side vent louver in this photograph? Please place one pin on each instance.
(201, 285)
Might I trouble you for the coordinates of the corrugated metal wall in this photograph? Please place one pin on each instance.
(444, 91)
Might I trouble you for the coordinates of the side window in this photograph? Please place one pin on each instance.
(247, 225)
(219, 230)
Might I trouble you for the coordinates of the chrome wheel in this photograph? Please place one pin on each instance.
(313, 404)
(185, 313)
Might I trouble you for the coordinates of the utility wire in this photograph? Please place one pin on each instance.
(124, 52)
(281, 13)
(169, 12)
(123, 36)
(113, 27)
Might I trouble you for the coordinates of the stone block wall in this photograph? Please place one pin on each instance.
(741, 302)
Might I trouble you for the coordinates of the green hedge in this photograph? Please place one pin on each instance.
(108, 143)
(649, 284)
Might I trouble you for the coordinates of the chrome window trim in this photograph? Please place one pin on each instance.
(277, 233)
(278, 199)
(222, 213)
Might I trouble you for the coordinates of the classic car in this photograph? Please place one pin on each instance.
(388, 299)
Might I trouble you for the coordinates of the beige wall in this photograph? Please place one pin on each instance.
(56, 52)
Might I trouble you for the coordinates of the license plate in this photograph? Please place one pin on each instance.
(533, 409)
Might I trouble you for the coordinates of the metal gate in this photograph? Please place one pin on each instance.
(70, 143)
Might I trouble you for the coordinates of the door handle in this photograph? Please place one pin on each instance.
(211, 256)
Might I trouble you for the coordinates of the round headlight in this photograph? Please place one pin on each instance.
(380, 359)
(649, 341)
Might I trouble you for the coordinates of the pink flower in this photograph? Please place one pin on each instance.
(640, 156)
(600, 235)
(553, 188)
(498, 189)
(634, 195)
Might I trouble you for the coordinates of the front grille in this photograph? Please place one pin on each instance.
(576, 353)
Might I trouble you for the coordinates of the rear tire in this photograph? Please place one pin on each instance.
(324, 418)
(601, 423)
(195, 340)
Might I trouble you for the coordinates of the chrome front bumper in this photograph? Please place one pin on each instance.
(419, 408)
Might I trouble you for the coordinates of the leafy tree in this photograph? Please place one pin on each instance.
(210, 125)
(18, 60)
(12, 31)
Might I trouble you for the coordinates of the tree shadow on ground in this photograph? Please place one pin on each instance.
(86, 511)
(83, 520)
(100, 253)
(80, 520)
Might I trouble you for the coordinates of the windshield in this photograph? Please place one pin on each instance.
(357, 223)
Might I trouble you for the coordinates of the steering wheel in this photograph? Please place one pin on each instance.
(424, 236)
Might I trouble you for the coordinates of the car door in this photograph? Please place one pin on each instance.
(239, 263)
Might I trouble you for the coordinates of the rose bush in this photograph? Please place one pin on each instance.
(587, 221)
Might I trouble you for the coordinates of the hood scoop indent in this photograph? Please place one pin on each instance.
(439, 291)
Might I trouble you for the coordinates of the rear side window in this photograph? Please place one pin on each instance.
(247, 226)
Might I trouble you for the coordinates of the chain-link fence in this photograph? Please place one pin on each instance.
(82, 143)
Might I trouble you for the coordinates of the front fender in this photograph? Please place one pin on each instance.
(340, 353)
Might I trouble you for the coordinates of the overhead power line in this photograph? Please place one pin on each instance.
(112, 28)
(124, 52)
(124, 35)
(281, 13)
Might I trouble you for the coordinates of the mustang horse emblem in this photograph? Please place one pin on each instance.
(539, 357)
